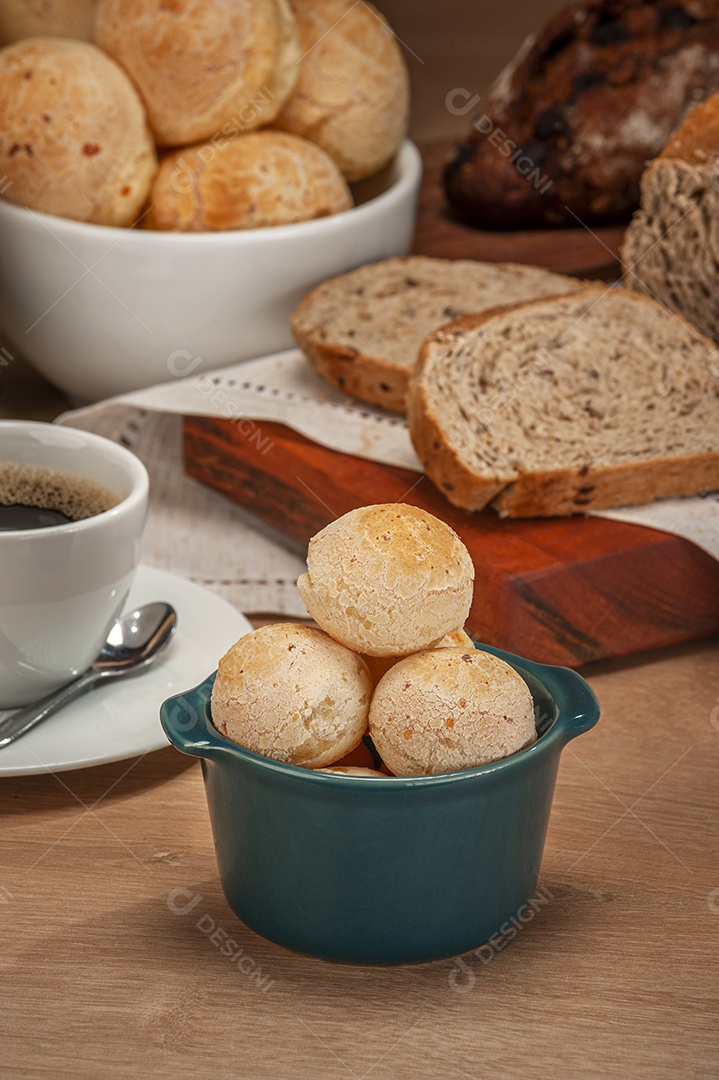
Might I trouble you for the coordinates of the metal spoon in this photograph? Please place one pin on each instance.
(134, 642)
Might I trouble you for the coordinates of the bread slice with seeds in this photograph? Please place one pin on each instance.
(602, 398)
(363, 331)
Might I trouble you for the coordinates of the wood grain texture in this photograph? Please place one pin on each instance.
(558, 590)
(587, 253)
(615, 976)
(561, 591)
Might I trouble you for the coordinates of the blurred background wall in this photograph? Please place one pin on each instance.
(458, 43)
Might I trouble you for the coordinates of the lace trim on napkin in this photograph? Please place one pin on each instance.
(197, 532)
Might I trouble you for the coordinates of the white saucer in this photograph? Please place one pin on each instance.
(122, 719)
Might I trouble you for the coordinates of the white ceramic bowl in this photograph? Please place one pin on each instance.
(101, 311)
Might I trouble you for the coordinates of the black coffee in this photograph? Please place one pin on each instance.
(35, 497)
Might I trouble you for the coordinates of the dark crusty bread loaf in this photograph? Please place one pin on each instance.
(671, 248)
(363, 331)
(601, 398)
(567, 128)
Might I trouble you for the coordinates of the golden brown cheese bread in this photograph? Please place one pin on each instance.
(449, 709)
(257, 180)
(387, 580)
(203, 66)
(46, 18)
(74, 139)
(352, 93)
(293, 694)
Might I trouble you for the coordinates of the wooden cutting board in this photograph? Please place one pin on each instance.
(562, 591)
(558, 590)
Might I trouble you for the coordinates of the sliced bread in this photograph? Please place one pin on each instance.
(597, 399)
(363, 331)
(671, 248)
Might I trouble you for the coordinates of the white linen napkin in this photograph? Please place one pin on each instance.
(200, 534)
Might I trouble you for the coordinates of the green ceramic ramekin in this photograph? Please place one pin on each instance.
(382, 871)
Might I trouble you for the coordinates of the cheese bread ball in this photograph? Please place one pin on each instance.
(52, 18)
(387, 580)
(352, 94)
(449, 709)
(257, 180)
(73, 136)
(293, 694)
(203, 66)
(380, 665)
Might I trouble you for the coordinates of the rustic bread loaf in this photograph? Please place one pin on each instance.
(671, 248)
(363, 331)
(566, 129)
(597, 399)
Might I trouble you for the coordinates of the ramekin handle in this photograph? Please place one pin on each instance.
(184, 721)
(577, 703)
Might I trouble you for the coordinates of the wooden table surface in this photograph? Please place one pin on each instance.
(109, 899)
(104, 972)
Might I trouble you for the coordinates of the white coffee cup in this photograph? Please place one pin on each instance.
(61, 588)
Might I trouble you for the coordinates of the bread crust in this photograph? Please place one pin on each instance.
(572, 491)
(697, 139)
(556, 492)
(364, 377)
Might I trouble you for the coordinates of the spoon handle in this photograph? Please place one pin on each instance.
(15, 724)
